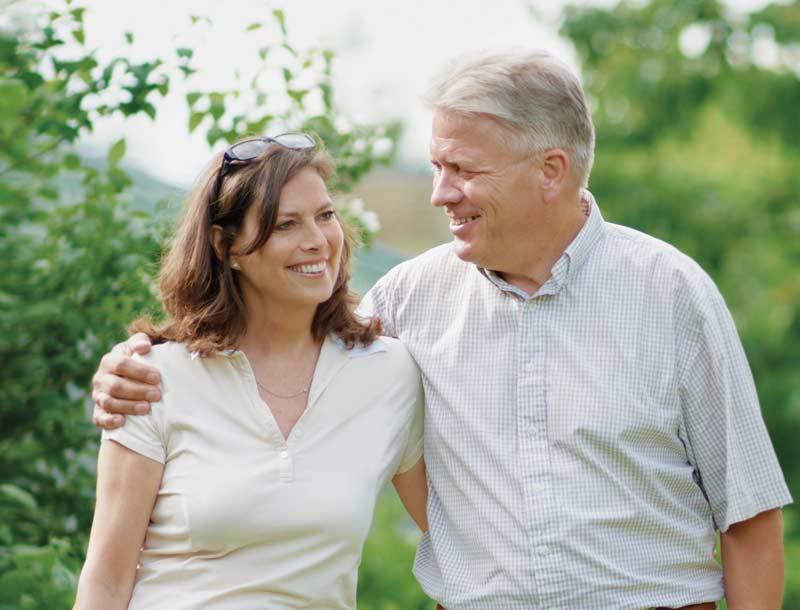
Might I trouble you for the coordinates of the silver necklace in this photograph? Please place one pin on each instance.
(295, 395)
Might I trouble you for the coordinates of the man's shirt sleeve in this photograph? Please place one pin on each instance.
(727, 441)
(374, 304)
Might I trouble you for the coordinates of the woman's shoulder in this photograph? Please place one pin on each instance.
(170, 353)
(399, 358)
(389, 346)
(393, 345)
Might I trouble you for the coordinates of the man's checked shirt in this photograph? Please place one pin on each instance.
(583, 443)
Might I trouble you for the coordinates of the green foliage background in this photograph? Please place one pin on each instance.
(701, 149)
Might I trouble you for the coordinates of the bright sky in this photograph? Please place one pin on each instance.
(387, 51)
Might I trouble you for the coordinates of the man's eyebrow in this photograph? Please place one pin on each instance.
(454, 159)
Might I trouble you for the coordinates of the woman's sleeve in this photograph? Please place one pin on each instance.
(413, 447)
(143, 434)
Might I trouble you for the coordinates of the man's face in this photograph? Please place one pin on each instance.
(489, 192)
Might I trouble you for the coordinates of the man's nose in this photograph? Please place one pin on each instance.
(445, 190)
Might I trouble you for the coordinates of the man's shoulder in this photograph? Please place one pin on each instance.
(661, 263)
(647, 250)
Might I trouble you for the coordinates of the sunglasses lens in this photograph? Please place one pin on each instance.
(249, 149)
(295, 140)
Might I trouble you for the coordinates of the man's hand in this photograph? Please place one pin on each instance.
(123, 386)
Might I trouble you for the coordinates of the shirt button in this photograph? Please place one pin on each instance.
(530, 367)
(284, 455)
(533, 429)
(536, 487)
(543, 550)
(530, 304)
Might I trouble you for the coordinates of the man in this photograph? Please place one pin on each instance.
(591, 419)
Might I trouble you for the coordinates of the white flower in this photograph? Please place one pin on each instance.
(342, 125)
(382, 147)
(356, 206)
(371, 221)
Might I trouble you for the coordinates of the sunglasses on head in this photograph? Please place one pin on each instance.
(248, 150)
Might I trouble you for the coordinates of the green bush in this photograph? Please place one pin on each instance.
(77, 259)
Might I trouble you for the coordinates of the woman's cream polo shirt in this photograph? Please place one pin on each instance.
(247, 520)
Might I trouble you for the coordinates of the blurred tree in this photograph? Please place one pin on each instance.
(77, 264)
(697, 112)
(385, 580)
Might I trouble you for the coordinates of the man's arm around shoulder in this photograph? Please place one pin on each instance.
(123, 386)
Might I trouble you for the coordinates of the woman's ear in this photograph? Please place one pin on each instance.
(218, 241)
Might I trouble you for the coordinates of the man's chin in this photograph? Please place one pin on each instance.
(466, 252)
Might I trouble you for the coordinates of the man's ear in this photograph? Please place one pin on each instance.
(555, 172)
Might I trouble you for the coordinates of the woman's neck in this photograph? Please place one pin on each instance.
(277, 328)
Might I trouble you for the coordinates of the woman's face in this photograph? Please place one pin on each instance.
(299, 263)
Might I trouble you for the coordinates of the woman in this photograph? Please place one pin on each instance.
(252, 483)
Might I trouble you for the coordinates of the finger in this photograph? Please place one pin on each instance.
(140, 343)
(119, 406)
(116, 364)
(123, 348)
(122, 388)
(107, 421)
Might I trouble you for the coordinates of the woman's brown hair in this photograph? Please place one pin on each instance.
(201, 293)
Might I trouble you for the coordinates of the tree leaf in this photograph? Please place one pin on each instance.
(72, 161)
(216, 105)
(281, 19)
(191, 98)
(18, 495)
(116, 152)
(195, 118)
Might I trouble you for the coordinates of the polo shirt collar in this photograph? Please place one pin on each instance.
(359, 350)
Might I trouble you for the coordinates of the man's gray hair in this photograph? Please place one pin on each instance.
(535, 97)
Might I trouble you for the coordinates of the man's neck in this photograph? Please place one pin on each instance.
(539, 268)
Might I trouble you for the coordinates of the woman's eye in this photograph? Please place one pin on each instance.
(328, 215)
(284, 226)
